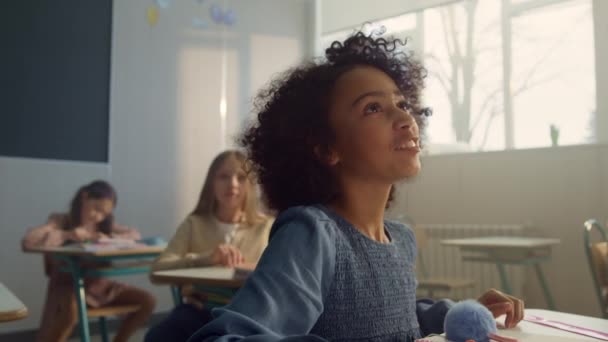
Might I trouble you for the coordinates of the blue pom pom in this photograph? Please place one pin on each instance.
(469, 320)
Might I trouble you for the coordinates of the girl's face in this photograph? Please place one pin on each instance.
(376, 137)
(230, 185)
(93, 211)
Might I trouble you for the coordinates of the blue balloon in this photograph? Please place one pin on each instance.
(229, 18)
(216, 14)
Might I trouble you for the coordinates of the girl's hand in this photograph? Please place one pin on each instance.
(500, 303)
(83, 234)
(101, 236)
(227, 255)
(191, 256)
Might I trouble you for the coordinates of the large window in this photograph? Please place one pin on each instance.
(503, 73)
(553, 75)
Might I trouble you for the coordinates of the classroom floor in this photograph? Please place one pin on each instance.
(138, 337)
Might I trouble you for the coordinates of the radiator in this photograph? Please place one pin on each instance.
(443, 261)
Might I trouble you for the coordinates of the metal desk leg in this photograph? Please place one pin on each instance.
(504, 280)
(83, 321)
(177, 295)
(543, 284)
(103, 329)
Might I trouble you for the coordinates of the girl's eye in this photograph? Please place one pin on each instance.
(372, 108)
(242, 178)
(403, 105)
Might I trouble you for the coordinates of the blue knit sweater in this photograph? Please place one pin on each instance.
(320, 279)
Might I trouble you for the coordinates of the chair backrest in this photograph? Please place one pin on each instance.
(422, 241)
(597, 257)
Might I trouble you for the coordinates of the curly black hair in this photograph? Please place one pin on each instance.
(292, 117)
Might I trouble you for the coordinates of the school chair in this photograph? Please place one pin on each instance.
(106, 311)
(103, 312)
(597, 257)
(431, 284)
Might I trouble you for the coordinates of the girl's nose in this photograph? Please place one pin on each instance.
(404, 121)
(234, 181)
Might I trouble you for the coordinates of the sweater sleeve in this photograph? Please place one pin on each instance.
(261, 241)
(283, 298)
(47, 235)
(431, 315)
(174, 256)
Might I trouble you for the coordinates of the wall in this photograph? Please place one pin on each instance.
(337, 15)
(600, 22)
(166, 83)
(554, 189)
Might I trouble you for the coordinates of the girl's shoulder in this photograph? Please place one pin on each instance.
(264, 222)
(401, 232)
(196, 221)
(403, 237)
(197, 224)
(313, 219)
(58, 219)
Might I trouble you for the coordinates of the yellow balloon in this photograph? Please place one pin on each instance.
(152, 15)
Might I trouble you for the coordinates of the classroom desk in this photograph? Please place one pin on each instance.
(208, 276)
(11, 308)
(221, 281)
(502, 251)
(73, 257)
(527, 331)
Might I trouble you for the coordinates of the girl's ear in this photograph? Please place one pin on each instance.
(327, 155)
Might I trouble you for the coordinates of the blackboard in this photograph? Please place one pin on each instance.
(55, 79)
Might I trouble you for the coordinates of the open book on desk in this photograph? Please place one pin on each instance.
(107, 244)
(243, 271)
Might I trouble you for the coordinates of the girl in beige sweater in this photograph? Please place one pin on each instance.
(226, 228)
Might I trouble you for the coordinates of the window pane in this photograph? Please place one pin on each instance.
(552, 71)
(462, 52)
(400, 26)
(327, 39)
(554, 74)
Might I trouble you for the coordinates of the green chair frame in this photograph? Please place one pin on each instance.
(590, 225)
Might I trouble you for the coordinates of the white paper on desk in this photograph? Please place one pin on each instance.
(437, 338)
(548, 334)
(521, 337)
(116, 241)
(106, 245)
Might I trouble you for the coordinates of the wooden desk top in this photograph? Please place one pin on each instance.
(11, 308)
(209, 276)
(78, 251)
(501, 242)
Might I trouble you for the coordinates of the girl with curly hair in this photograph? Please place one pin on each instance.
(330, 141)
